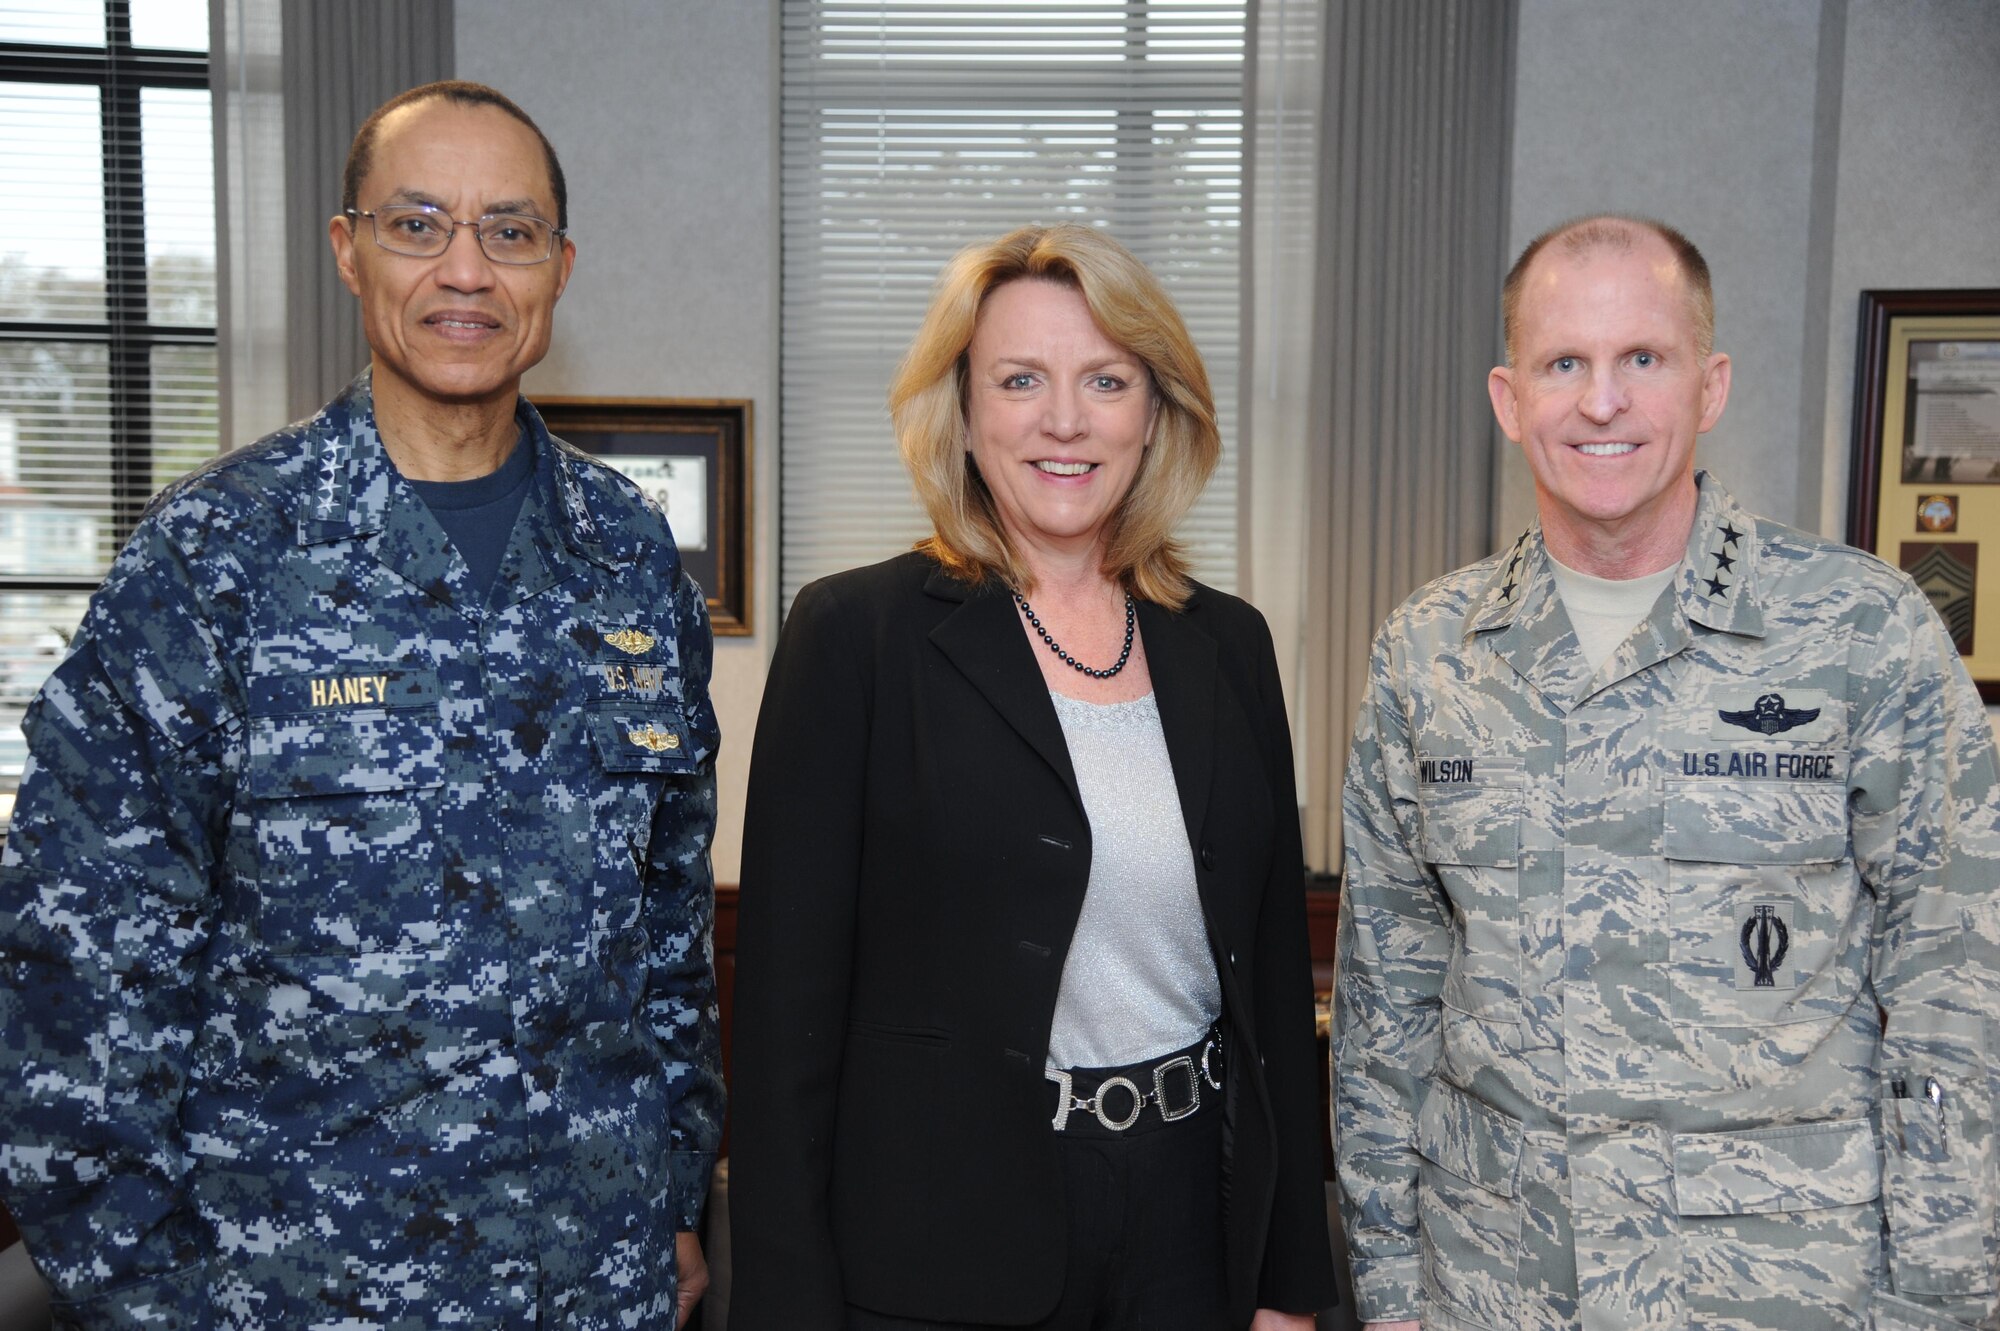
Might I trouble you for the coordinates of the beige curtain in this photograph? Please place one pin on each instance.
(1416, 116)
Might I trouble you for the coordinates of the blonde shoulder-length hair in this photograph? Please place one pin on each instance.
(927, 405)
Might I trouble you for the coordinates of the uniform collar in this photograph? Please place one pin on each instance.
(1716, 586)
(1715, 589)
(356, 491)
(1718, 578)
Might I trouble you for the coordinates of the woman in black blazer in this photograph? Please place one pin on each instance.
(1023, 1002)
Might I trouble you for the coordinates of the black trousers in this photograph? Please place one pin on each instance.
(1145, 1232)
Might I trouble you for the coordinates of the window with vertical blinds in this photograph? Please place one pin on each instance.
(913, 128)
(107, 304)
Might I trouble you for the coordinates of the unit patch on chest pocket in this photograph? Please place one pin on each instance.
(1763, 933)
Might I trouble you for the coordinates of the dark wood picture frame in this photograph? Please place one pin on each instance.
(647, 434)
(1916, 515)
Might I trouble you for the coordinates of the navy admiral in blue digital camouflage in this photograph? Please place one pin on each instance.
(1669, 961)
(356, 915)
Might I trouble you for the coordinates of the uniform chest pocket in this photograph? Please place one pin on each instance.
(1768, 922)
(1471, 838)
(342, 804)
(645, 755)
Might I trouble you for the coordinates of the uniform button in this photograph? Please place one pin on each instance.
(1208, 859)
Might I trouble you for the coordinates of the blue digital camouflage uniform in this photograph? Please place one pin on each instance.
(356, 935)
(1617, 951)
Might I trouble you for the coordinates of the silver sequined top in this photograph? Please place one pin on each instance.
(1139, 979)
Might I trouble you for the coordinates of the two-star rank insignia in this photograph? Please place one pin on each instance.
(1769, 715)
(653, 739)
(632, 642)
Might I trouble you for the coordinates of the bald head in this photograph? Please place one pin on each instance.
(1581, 237)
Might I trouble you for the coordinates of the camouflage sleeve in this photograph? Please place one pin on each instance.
(1926, 827)
(1394, 942)
(680, 901)
(107, 893)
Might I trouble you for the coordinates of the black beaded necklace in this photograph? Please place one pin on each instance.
(1131, 621)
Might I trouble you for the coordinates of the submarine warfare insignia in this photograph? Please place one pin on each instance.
(653, 739)
(1764, 941)
(632, 642)
(1770, 716)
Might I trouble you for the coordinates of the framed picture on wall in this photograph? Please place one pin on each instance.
(692, 455)
(1925, 489)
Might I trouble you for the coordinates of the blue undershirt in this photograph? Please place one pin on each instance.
(478, 515)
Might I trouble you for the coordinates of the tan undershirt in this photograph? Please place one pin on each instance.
(1604, 611)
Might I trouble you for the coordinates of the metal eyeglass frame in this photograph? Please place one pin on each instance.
(443, 218)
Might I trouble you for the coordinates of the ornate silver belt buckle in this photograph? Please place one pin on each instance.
(1063, 1088)
(1183, 1064)
(1131, 1089)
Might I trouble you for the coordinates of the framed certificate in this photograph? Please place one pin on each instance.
(1925, 489)
(692, 455)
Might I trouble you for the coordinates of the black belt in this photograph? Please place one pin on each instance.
(1116, 1099)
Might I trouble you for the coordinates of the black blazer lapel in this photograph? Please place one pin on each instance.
(984, 639)
(1182, 660)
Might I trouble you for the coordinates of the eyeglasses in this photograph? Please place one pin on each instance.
(424, 232)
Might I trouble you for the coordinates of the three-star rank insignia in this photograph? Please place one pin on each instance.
(654, 740)
(632, 642)
(1721, 562)
(1769, 715)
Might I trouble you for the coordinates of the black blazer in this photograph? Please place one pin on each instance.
(915, 857)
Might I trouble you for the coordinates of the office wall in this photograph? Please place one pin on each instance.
(1812, 148)
(1699, 113)
(1918, 197)
(665, 115)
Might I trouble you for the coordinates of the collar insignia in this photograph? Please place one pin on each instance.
(1770, 716)
(632, 642)
(654, 740)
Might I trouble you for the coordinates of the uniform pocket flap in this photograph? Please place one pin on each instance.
(1479, 1144)
(1755, 822)
(308, 754)
(1798, 1167)
(641, 739)
(1478, 825)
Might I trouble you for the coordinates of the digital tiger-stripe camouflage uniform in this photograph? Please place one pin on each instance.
(356, 930)
(1667, 994)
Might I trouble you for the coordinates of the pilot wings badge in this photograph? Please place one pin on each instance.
(1769, 715)
(632, 642)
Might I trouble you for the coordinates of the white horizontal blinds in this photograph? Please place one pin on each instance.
(107, 302)
(913, 128)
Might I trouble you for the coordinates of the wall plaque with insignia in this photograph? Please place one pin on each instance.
(1937, 512)
(1948, 572)
(1926, 458)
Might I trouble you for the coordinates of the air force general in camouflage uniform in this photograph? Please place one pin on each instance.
(355, 918)
(1667, 988)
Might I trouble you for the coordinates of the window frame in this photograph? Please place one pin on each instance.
(1137, 87)
(121, 72)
